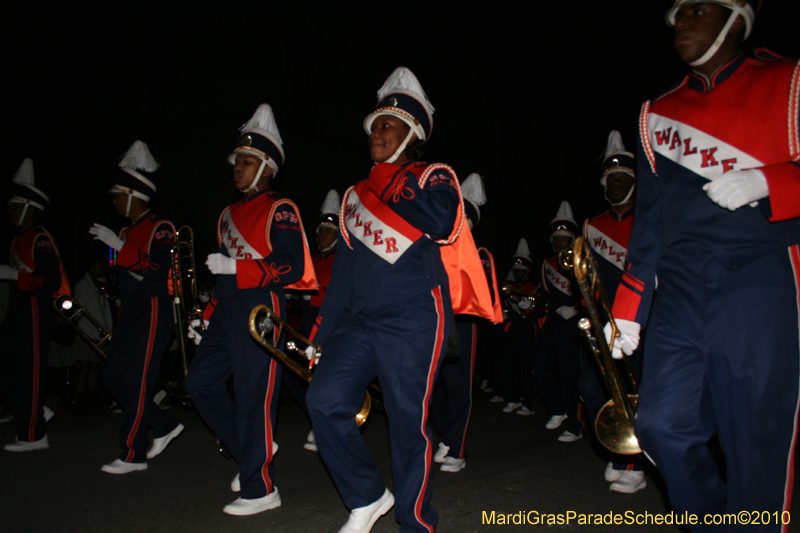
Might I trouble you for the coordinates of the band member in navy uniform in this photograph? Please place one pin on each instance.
(146, 319)
(716, 229)
(558, 355)
(262, 250)
(608, 236)
(452, 397)
(388, 310)
(37, 277)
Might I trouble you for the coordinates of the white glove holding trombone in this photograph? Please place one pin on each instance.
(628, 339)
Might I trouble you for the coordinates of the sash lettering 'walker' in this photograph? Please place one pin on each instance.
(37, 277)
(388, 310)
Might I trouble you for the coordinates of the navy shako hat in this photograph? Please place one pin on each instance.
(617, 160)
(329, 213)
(24, 191)
(260, 137)
(564, 224)
(402, 96)
(131, 180)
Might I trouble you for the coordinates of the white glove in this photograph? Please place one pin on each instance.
(194, 334)
(9, 272)
(524, 304)
(311, 353)
(102, 233)
(221, 264)
(736, 188)
(628, 339)
(567, 311)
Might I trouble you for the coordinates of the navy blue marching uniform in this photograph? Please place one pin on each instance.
(141, 333)
(713, 364)
(25, 332)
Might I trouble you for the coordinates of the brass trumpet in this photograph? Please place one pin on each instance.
(264, 322)
(509, 291)
(615, 422)
(73, 312)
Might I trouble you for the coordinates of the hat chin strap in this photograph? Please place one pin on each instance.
(402, 147)
(22, 215)
(128, 208)
(624, 200)
(735, 12)
(254, 185)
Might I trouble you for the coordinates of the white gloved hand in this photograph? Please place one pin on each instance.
(221, 264)
(194, 334)
(524, 304)
(311, 353)
(736, 188)
(8, 272)
(628, 339)
(102, 233)
(567, 311)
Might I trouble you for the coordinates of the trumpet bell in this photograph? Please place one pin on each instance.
(615, 429)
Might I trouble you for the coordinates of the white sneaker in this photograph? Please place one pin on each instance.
(235, 485)
(524, 411)
(118, 466)
(629, 481)
(611, 474)
(48, 413)
(555, 421)
(6, 417)
(511, 407)
(311, 442)
(243, 507)
(569, 436)
(484, 384)
(441, 453)
(451, 464)
(27, 446)
(362, 519)
(496, 399)
(160, 444)
(159, 397)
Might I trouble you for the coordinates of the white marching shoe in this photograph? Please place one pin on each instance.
(555, 421)
(27, 446)
(451, 464)
(160, 444)
(629, 481)
(611, 474)
(244, 507)
(118, 466)
(441, 453)
(311, 442)
(362, 519)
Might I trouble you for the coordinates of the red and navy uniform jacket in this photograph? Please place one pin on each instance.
(684, 143)
(35, 255)
(608, 235)
(323, 264)
(145, 259)
(558, 286)
(264, 233)
(399, 228)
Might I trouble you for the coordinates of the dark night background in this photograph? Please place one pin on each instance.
(525, 94)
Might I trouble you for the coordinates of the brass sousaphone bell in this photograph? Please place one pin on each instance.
(265, 323)
(615, 422)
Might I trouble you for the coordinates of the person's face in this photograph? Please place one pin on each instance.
(14, 213)
(388, 133)
(520, 274)
(245, 169)
(696, 28)
(325, 237)
(561, 243)
(120, 203)
(618, 186)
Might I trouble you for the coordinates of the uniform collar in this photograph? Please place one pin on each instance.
(144, 216)
(619, 217)
(698, 82)
(250, 197)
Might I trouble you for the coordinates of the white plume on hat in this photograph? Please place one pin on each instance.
(402, 79)
(24, 174)
(263, 120)
(564, 213)
(138, 157)
(331, 204)
(472, 189)
(615, 146)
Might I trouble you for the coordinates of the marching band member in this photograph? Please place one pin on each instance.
(262, 251)
(716, 226)
(37, 277)
(520, 337)
(452, 396)
(558, 356)
(146, 319)
(608, 235)
(387, 311)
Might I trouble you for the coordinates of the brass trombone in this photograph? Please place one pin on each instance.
(185, 298)
(263, 323)
(72, 311)
(615, 422)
